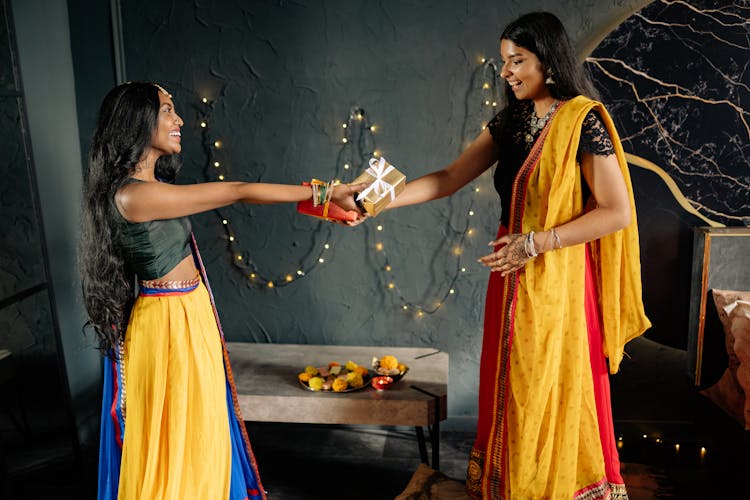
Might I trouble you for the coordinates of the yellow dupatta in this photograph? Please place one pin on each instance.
(544, 441)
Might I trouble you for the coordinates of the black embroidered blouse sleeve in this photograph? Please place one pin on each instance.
(594, 137)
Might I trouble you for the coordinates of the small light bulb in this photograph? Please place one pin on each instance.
(343, 125)
(470, 232)
(326, 246)
(225, 222)
(372, 128)
(321, 260)
(388, 267)
(391, 286)
(300, 272)
(378, 246)
(457, 251)
(486, 86)
(204, 100)
(380, 228)
(451, 291)
(376, 153)
(476, 190)
(344, 140)
(645, 436)
(217, 144)
(239, 257)
(346, 165)
(252, 276)
(289, 277)
(270, 284)
(217, 164)
(420, 314)
(231, 238)
(494, 104)
(463, 269)
(221, 177)
(471, 212)
(483, 60)
(203, 124)
(677, 447)
(406, 307)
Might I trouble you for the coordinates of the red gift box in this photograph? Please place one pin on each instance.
(328, 211)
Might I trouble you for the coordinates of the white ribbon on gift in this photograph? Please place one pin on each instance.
(380, 187)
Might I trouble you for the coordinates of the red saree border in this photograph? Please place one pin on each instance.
(227, 365)
(495, 460)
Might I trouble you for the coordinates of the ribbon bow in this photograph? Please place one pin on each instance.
(378, 170)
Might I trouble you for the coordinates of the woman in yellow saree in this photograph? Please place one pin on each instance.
(565, 289)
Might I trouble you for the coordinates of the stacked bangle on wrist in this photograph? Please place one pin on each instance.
(322, 192)
(529, 246)
(556, 238)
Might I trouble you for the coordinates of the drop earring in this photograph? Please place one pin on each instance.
(550, 80)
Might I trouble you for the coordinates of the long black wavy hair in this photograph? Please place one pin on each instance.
(543, 34)
(126, 122)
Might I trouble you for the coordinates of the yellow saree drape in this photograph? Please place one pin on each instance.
(544, 441)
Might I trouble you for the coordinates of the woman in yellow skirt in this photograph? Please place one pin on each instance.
(171, 427)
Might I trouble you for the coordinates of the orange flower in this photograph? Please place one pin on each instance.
(339, 385)
(388, 362)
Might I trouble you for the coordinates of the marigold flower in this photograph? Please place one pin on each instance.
(316, 383)
(339, 385)
(362, 370)
(354, 379)
(304, 377)
(388, 362)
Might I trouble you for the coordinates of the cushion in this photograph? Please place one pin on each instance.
(732, 390)
(427, 483)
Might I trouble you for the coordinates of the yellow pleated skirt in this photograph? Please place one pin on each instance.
(177, 439)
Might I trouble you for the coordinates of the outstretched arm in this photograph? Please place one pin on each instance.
(146, 201)
(477, 158)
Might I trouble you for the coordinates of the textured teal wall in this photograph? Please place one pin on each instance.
(281, 78)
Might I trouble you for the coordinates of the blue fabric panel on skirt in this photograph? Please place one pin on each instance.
(109, 451)
(244, 484)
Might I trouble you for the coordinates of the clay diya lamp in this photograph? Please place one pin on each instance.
(382, 382)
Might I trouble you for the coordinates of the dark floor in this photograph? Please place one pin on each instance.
(655, 410)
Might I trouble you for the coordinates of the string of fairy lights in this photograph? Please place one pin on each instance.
(357, 144)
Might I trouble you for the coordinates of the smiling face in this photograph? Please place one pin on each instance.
(523, 71)
(166, 137)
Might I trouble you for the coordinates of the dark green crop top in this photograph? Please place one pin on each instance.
(152, 249)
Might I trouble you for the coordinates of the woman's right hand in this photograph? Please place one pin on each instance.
(343, 195)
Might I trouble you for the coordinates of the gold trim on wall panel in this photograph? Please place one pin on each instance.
(681, 199)
(705, 272)
(702, 313)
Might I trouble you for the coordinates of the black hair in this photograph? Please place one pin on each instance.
(543, 34)
(126, 122)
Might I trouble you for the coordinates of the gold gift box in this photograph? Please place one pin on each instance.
(384, 182)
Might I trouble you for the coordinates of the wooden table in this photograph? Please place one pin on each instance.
(268, 390)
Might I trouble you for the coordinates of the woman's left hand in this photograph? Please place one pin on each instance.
(510, 257)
